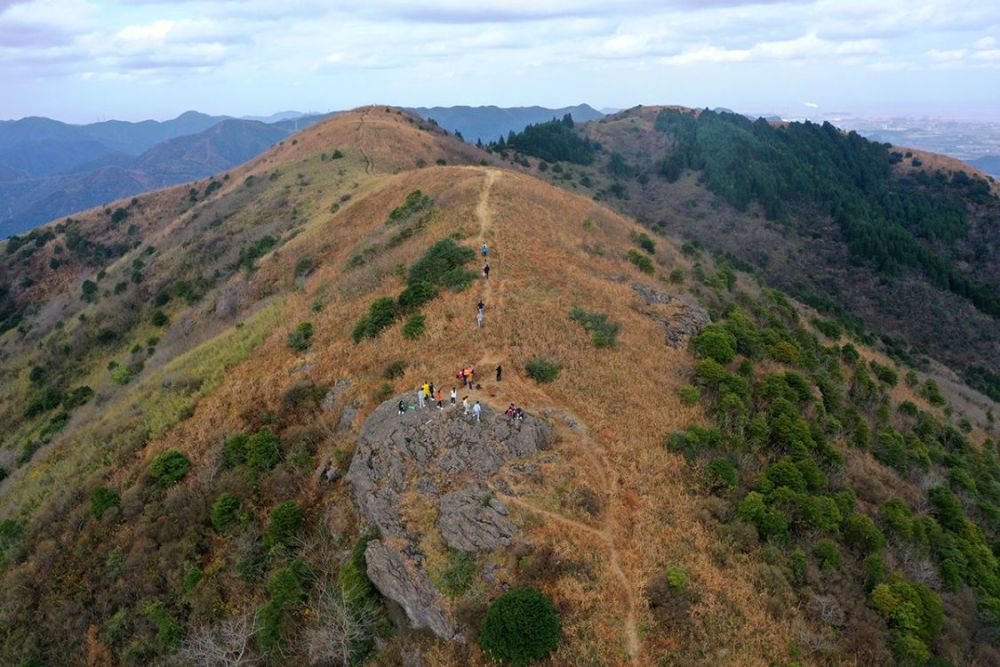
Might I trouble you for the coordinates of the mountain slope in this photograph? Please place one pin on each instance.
(200, 481)
(915, 261)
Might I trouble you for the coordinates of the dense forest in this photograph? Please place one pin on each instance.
(554, 141)
(803, 167)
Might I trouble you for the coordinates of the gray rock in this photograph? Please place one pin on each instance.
(688, 319)
(450, 460)
(471, 520)
(347, 419)
(652, 296)
(335, 391)
(409, 586)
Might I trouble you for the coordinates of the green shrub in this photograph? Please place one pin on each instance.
(932, 392)
(234, 451)
(677, 276)
(159, 318)
(285, 589)
(225, 511)
(102, 499)
(947, 509)
(168, 630)
(416, 294)
(677, 578)
(443, 264)
(914, 612)
(861, 534)
(262, 450)
(721, 475)
(121, 375)
(603, 332)
(358, 591)
(689, 394)
(645, 242)
(520, 626)
(829, 328)
(456, 578)
(304, 266)
(642, 262)
(542, 370)
(715, 342)
(301, 337)
(828, 555)
(285, 525)
(169, 467)
(381, 314)
(886, 374)
(77, 397)
(414, 326)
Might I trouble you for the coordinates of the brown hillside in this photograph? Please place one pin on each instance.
(602, 515)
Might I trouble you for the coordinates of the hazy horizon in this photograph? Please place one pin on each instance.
(86, 60)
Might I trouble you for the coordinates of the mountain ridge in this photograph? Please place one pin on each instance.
(670, 517)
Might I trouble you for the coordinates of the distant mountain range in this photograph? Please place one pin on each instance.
(490, 123)
(988, 163)
(49, 168)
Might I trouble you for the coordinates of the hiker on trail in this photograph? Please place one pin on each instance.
(402, 407)
(479, 319)
(499, 372)
(440, 398)
(481, 306)
(430, 392)
(486, 271)
(425, 394)
(509, 412)
(476, 410)
(469, 373)
(519, 414)
(420, 397)
(485, 250)
(465, 405)
(454, 396)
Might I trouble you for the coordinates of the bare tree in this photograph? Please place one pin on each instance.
(338, 628)
(226, 645)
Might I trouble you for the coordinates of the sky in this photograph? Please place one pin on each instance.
(89, 60)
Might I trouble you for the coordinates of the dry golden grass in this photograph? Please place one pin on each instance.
(623, 398)
(612, 407)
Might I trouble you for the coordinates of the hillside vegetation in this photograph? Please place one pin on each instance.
(731, 477)
(898, 245)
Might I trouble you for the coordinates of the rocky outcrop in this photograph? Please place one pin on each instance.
(686, 319)
(444, 460)
(407, 584)
(473, 520)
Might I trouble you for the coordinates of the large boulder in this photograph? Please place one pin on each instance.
(401, 580)
(445, 460)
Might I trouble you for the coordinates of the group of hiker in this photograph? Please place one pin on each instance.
(428, 394)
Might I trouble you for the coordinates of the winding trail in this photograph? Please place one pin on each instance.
(493, 297)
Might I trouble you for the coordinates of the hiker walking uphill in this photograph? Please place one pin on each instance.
(480, 308)
(476, 411)
(485, 250)
(486, 271)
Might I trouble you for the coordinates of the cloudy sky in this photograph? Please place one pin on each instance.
(85, 60)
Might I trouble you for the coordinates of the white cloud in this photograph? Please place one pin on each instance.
(948, 55)
(811, 105)
(809, 46)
